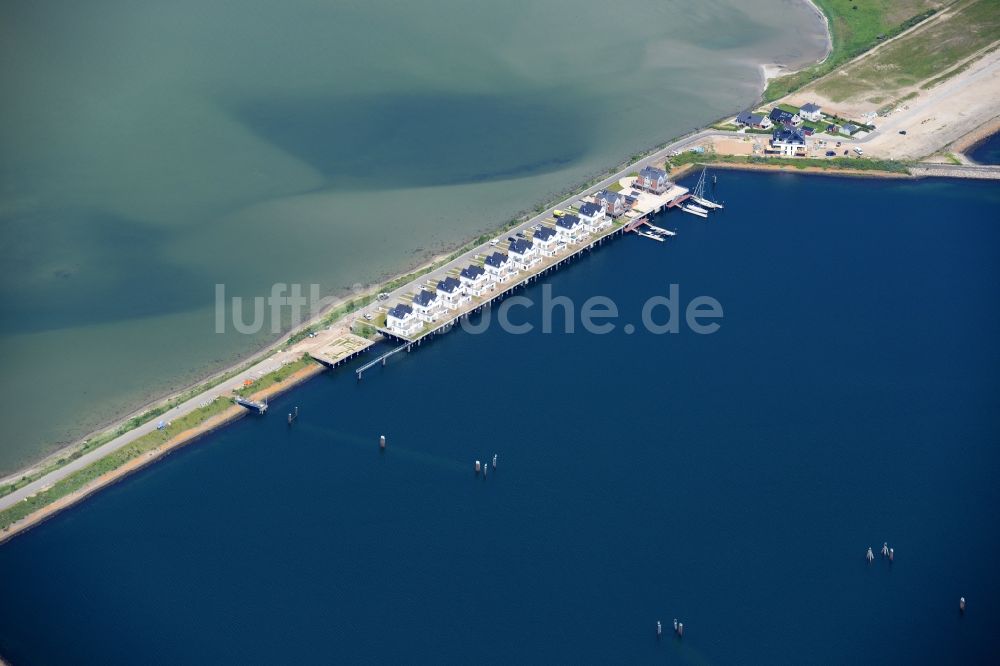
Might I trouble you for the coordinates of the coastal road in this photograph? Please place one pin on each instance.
(680, 144)
(225, 390)
(324, 337)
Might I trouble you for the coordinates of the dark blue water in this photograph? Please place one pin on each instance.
(987, 151)
(734, 481)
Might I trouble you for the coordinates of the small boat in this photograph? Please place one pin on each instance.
(695, 210)
(706, 202)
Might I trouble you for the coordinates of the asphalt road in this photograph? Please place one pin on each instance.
(324, 337)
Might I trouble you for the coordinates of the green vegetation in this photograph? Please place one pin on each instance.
(926, 56)
(103, 438)
(927, 85)
(278, 376)
(366, 330)
(615, 187)
(832, 164)
(139, 447)
(856, 26)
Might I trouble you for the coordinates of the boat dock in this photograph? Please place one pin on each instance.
(259, 407)
(381, 359)
(641, 204)
(502, 292)
(678, 201)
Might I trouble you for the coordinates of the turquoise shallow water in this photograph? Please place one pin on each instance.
(733, 481)
(151, 150)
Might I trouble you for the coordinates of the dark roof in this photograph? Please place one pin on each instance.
(851, 128)
(610, 197)
(424, 298)
(568, 221)
(520, 245)
(788, 135)
(652, 173)
(472, 272)
(590, 209)
(400, 311)
(810, 107)
(747, 118)
(497, 259)
(544, 233)
(780, 115)
(449, 285)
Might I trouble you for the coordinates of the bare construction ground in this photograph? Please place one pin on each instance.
(937, 82)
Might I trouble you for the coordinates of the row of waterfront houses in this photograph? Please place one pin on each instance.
(435, 302)
(789, 132)
(811, 112)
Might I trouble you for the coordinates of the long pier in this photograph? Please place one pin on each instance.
(653, 203)
(381, 359)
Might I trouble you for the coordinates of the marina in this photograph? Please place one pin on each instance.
(457, 291)
(687, 515)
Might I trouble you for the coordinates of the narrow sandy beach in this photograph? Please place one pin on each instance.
(180, 439)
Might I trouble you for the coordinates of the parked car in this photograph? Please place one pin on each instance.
(903, 132)
(838, 144)
(831, 153)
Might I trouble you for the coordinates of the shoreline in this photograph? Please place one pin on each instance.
(215, 378)
(981, 133)
(293, 339)
(786, 168)
(209, 381)
(235, 412)
(183, 438)
(773, 70)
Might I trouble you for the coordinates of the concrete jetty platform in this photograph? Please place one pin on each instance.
(341, 350)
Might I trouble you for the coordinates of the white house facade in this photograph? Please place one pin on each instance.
(569, 229)
(592, 215)
(401, 320)
(811, 112)
(474, 280)
(427, 306)
(452, 293)
(788, 142)
(523, 253)
(498, 267)
(545, 240)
